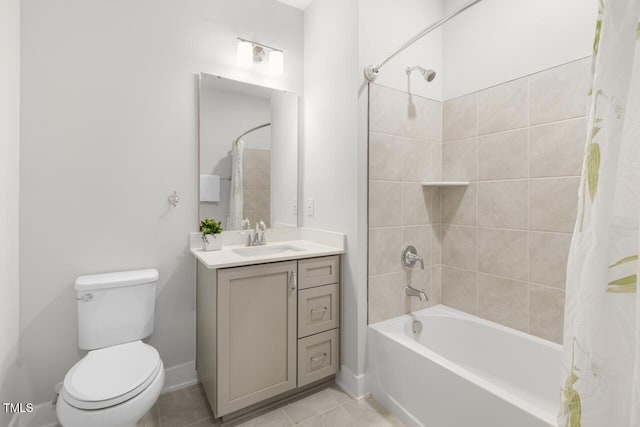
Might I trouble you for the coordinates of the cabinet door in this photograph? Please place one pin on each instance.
(256, 334)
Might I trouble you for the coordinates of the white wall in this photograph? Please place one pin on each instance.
(384, 25)
(9, 160)
(284, 159)
(330, 149)
(500, 40)
(224, 116)
(109, 121)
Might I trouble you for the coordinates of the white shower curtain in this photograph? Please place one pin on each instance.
(236, 195)
(601, 361)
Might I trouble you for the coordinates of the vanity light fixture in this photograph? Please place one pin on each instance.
(250, 52)
(245, 53)
(276, 62)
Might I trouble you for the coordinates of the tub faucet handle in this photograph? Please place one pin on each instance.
(410, 256)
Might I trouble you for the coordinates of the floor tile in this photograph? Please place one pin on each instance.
(338, 417)
(311, 406)
(210, 422)
(275, 418)
(151, 418)
(183, 407)
(369, 413)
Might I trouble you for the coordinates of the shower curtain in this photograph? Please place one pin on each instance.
(236, 196)
(601, 360)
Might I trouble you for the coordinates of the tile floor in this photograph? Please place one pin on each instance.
(330, 407)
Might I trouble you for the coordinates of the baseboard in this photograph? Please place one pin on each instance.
(43, 415)
(356, 386)
(179, 376)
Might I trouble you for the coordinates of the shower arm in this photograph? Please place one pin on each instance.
(251, 130)
(371, 71)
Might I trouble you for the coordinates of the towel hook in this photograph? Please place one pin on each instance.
(174, 199)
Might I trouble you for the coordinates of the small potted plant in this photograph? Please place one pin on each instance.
(211, 239)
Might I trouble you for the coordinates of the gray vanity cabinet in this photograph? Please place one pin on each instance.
(256, 333)
(264, 331)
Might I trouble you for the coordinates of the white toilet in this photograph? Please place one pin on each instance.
(120, 379)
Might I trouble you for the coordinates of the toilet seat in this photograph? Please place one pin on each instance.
(111, 375)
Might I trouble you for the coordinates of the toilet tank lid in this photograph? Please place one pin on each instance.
(116, 280)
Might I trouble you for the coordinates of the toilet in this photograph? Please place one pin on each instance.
(121, 377)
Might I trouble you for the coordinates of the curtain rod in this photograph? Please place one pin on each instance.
(251, 130)
(371, 71)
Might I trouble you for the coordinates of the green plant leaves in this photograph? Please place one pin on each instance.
(624, 261)
(210, 226)
(625, 285)
(596, 40)
(593, 168)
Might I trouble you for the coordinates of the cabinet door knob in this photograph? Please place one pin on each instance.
(293, 278)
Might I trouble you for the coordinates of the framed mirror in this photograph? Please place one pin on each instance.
(248, 154)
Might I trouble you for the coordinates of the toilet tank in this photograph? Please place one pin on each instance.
(115, 308)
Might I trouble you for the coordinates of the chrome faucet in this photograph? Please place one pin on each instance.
(410, 291)
(259, 238)
(246, 225)
(409, 257)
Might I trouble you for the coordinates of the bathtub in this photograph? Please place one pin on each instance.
(463, 371)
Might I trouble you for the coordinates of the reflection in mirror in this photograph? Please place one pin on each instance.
(248, 154)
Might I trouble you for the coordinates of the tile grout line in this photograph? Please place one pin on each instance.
(510, 130)
(338, 405)
(529, 205)
(286, 415)
(477, 226)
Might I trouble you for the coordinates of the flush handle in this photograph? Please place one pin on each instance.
(85, 298)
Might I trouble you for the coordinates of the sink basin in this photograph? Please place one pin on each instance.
(266, 250)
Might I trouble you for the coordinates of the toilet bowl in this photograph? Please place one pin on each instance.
(121, 377)
(111, 387)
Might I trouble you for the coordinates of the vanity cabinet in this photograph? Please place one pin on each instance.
(265, 331)
(256, 333)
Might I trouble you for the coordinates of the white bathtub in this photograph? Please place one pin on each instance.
(463, 371)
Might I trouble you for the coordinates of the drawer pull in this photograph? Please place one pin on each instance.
(315, 311)
(293, 278)
(318, 357)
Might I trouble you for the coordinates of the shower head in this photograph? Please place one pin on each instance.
(428, 75)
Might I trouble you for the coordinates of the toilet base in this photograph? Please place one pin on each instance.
(125, 414)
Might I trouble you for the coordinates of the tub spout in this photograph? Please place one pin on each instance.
(413, 292)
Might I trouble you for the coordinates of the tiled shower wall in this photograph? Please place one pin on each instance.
(256, 185)
(506, 237)
(498, 247)
(405, 149)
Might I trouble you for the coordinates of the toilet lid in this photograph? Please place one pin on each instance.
(111, 375)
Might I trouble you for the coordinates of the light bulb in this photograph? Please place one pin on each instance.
(245, 53)
(276, 62)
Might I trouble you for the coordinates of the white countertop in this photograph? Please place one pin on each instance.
(308, 242)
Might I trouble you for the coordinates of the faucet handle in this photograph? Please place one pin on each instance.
(409, 257)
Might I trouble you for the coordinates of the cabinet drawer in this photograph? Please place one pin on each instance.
(317, 271)
(318, 309)
(317, 357)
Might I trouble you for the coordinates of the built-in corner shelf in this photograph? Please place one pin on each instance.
(445, 184)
